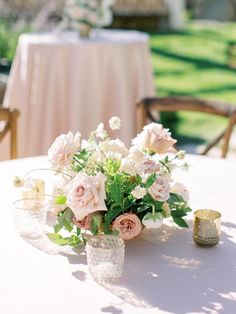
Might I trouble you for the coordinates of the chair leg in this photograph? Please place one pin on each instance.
(13, 128)
(227, 136)
(141, 116)
(213, 143)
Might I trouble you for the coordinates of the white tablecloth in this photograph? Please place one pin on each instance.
(61, 83)
(161, 275)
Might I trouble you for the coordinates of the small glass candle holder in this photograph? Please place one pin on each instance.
(206, 227)
(29, 217)
(105, 257)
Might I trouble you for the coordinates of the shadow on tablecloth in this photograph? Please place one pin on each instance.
(169, 272)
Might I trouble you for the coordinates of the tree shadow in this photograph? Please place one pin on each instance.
(197, 62)
(181, 278)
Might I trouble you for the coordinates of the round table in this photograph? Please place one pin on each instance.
(62, 83)
(170, 275)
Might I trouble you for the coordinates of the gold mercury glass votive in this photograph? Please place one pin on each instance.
(206, 227)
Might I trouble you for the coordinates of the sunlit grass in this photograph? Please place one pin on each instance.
(194, 63)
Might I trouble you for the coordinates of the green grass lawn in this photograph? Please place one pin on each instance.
(194, 63)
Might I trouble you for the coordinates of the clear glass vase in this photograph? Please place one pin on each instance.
(29, 217)
(105, 257)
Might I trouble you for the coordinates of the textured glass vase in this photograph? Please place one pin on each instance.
(29, 217)
(105, 257)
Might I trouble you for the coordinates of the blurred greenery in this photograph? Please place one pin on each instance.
(195, 63)
(189, 63)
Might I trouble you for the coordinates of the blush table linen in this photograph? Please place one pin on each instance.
(163, 273)
(62, 83)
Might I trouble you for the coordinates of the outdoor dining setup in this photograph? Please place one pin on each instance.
(105, 208)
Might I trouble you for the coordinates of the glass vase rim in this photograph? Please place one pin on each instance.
(216, 214)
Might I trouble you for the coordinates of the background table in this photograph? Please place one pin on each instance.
(161, 275)
(61, 83)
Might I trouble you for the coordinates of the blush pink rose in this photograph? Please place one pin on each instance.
(85, 223)
(62, 150)
(86, 194)
(128, 225)
(154, 138)
(160, 189)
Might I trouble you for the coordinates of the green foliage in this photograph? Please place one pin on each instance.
(194, 63)
(60, 200)
(151, 179)
(73, 240)
(95, 224)
(64, 220)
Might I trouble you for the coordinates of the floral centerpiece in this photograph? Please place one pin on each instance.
(103, 187)
(82, 15)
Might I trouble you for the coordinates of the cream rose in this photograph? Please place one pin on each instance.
(86, 194)
(128, 225)
(61, 152)
(160, 189)
(114, 146)
(154, 138)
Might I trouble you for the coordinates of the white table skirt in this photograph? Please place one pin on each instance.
(172, 276)
(61, 83)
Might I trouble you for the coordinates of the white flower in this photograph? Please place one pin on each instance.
(114, 156)
(100, 132)
(139, 192)
(128, 167)
(181, 154)
(136, 155)
(179, 188)
(114, 146)
(152, 221)
(154, 138)
(115, 123)
(63, 148)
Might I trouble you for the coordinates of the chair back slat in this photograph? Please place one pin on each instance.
(147, 106)
(8, 123)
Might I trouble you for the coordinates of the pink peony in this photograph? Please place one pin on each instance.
(62, 150)
(86, 194)
(154, 138)
(128, 225)
(160, 189)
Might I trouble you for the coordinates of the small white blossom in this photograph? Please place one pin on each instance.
(181, 154)
(139, 192)
(100, 132)
(115, 123)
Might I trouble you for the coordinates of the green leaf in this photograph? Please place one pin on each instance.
(151, 179)
(65, 220)
(142, 208)
(95, 224)
(180, 222)
(154, 217)
(60, 200)
(128, 202)
(115, 189)
(174, 197)
(112, 213)
(73, 240)
(106, 228)
(178, 213)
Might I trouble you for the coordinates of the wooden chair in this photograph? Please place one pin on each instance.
(8, 123)
(148, 106)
